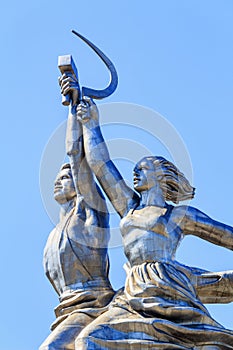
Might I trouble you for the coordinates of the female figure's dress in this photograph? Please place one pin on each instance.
(159, 307)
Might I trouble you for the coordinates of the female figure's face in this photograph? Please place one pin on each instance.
(144, 175)
(64, 189)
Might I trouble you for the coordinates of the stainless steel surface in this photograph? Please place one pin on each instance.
(75, 256)
(160, 307)
(67, 66)
(161, 304)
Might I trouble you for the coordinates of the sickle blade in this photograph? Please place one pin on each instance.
(99, 94)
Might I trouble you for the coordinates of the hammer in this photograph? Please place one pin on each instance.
(66, 65)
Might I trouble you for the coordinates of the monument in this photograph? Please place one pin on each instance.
(161, 305)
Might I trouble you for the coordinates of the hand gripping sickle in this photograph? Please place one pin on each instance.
(66, 65)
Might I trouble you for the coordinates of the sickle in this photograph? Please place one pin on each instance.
(99, 94)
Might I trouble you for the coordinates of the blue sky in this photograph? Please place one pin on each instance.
(174, 57)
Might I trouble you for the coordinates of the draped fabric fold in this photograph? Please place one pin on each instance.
(158, 309)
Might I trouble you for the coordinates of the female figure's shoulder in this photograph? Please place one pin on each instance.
(186, 215)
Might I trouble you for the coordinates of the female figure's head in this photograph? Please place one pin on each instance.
(152, 171)
(64, 189)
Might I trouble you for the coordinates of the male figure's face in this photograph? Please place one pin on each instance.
(64, 189)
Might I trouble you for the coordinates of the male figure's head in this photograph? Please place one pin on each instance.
(64, 189)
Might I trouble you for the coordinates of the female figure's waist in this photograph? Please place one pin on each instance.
(147, 246)
(139, 253)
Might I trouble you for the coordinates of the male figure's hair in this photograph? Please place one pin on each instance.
(65, 166)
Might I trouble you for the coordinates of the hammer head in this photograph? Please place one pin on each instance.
(66, 64)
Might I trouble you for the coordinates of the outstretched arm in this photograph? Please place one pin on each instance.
(214, 287)
(195, 222)
(121, 196)
(211, 287)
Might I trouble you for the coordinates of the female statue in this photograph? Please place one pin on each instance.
(159, 308)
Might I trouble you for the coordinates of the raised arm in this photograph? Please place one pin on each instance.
(81, 173)
(121, 196)
(193, 221)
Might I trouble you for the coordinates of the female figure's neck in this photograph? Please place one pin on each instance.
(153, 196)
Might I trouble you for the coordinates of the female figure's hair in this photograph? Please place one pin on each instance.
(172, 181)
